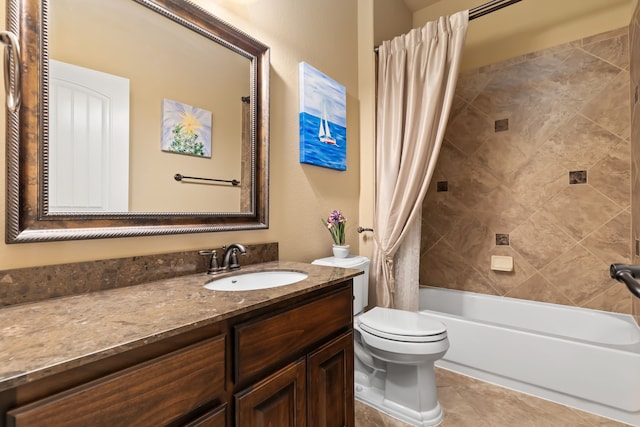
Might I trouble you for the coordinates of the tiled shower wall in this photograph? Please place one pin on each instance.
(536, 166)
(634, 70)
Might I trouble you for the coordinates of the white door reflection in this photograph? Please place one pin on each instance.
(88, 140)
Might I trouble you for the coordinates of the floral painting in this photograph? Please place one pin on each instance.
(323, 119)
(186, 129)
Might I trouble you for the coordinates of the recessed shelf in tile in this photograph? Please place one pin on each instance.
(502, 125)
(502, 240)
(577, 177)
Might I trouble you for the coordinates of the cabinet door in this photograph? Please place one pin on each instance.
(150, 394)
(330, 384)
(276, 401)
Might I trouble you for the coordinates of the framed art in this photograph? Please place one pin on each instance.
(186, 129)
(323, 119)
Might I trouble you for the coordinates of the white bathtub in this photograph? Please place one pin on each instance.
(586, 359)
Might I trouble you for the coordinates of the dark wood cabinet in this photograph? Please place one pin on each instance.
(330, 384)
(286, 364)
(278, 400)
(153, 393)
(314, 331)
(271, 341)
(316, 391)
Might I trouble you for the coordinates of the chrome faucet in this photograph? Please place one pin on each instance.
(230, 256)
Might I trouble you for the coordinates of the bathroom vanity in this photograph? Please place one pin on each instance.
(174, 353)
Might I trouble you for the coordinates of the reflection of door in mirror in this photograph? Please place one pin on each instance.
(163, 60)
(88, 140)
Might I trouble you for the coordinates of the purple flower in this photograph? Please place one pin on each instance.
(336, 225)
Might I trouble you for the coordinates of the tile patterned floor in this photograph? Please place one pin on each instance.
(467, 402)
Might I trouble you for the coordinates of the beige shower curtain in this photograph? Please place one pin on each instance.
(417, 74)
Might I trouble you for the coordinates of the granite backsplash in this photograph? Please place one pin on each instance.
(25, 285)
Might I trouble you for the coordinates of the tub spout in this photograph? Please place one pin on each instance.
(627, 274)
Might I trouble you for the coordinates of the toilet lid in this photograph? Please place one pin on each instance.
(402, 325)
(351, 261)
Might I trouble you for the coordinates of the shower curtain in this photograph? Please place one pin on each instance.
(417, 74)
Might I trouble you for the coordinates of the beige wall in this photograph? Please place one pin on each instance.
(366, 83)
(568, 113)
(391, 18)
(295, 30)
(529, 26)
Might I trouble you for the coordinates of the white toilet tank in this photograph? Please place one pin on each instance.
(360, 283)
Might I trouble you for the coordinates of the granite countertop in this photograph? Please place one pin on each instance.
(47, 337)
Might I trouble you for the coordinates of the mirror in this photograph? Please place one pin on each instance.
(190, 152)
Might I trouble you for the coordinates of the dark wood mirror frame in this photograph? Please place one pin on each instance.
(27, 219)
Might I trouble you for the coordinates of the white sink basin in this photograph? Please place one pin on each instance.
(256, 280)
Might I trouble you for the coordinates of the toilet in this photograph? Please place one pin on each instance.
(395, 352)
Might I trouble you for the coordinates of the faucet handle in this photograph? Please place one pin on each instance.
(233, 260)
(214, 267)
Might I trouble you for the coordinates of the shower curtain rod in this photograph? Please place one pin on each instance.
(487, 8)
(483, 9)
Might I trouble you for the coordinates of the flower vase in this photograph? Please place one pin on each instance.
(340, 251)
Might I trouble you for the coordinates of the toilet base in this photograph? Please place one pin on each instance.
(374, 397)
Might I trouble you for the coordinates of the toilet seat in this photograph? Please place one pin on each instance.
(403, 326)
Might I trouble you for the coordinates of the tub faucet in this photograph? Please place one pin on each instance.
(627, 274)
(230, 256)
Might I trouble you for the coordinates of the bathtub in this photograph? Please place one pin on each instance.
(586, 359)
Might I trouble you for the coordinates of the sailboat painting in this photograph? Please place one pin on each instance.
(323, 119)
